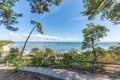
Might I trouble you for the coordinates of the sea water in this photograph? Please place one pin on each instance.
(59, 46)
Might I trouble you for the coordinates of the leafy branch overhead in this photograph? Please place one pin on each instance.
(41, 6)
(8, 17)
(109, 9)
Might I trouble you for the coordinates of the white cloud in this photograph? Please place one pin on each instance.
(34, 37)
(78, 18)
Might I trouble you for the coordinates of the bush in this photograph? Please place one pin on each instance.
(49, 52)
(16, 70)
(70, 57)
(43, 58)
(115, 49)
(87, 56)
(11, 57)
(13, 50)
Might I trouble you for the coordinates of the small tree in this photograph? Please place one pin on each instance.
(92, 34)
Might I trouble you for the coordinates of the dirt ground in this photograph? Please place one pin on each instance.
(9, 75)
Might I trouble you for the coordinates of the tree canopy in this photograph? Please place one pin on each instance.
(8, 17)
(92, 34)
(41, 6)
(109, 9)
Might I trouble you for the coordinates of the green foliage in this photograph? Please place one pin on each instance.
(108, 9)
(8, 16)
(35, 51)
(102, 56)
(71, 55)
(13, 50)
(38, 26)
(87, 56)
(46, 63)
(60, 65)
(0, 54)
(5, 42)
(109, 57)
(43, 58)
(69, 58)
(11, 57)
(41, 6)
(21, 62)
(92, 34)
(113, 75)
(13, 54)
(100, 52)
(115, 49)
(49, 52)
(16, 70)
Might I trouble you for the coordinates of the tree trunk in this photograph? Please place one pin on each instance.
(26, 42)
(95, 56)
(93, 48)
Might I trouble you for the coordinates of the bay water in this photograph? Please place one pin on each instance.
(58, 46)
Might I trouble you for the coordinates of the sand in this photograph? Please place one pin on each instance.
(6, 48)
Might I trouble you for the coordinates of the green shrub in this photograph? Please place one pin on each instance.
(113, 75)
(71, 55)
(13, 50)
(37, 61)
(21, 63)
(11, 57)
(16, 70)
(87, 56)
(45, 63)
(49, 52)
(115, 50)
(59, 65)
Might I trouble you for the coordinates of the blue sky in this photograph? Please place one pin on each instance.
(63, 23)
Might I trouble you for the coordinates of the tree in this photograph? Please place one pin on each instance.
(39, 29)
(39, 6)
(115, 49)
(92, 34)
(108, 9)
(7, 16)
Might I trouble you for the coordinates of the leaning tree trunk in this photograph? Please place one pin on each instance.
(26, 42)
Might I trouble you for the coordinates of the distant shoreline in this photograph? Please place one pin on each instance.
(6, 48)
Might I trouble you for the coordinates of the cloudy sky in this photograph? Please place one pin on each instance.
(63, 23)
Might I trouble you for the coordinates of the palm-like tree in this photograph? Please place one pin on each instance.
(39, 29)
